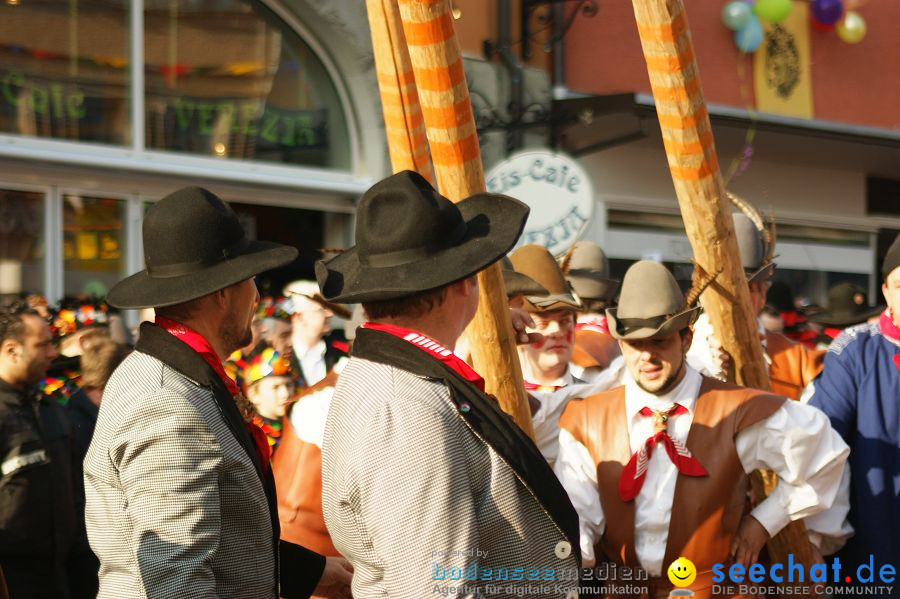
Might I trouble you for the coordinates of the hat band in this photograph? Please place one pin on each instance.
(643, 323)
(180, 269)
(401, 257)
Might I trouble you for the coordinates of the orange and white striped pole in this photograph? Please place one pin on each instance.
(450, 128)
(691, 153)
(403, 121)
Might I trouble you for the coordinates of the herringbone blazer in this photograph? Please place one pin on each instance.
(177, 503)
(426, 482)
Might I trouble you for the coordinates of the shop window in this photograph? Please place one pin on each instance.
(226, 78)
(93, 244)
(21, 243)
(64, 70)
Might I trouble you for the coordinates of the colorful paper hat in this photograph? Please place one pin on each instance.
(75, 317)
(262, 362)
(278, 308)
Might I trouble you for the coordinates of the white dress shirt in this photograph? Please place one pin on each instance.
(796, 441)
(545, 420)
(312, 361)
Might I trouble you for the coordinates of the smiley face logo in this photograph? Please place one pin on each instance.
(682, 572)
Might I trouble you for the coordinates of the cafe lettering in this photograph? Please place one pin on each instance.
(192, 116)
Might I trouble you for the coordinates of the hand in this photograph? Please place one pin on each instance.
(721, 357)
(520, 321)
(747, 543)
(335, 580)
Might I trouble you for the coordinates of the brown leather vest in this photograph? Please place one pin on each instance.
(706, 511)
(297, 467)
(594, 349)
(793, 365)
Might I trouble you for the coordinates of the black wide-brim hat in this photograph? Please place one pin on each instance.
(410, 239)
(194, 245)
(848, 304)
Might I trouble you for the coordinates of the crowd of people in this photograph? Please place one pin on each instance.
(237, 446)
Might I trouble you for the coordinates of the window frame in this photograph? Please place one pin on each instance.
(136, 156)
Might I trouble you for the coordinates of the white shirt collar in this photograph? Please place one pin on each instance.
(685, 393)
(563, 381)
(317, 350)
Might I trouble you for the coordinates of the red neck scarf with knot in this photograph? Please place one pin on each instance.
(199, 344)
(635, 471)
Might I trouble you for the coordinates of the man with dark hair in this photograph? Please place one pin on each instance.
(658, 468)
(180, 496)
(38, 522)
(859, 390)
(424, 477)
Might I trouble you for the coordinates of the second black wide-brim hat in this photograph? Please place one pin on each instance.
(410, 238)
(194, 245)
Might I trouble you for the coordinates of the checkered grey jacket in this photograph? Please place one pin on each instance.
(176, 505)
(426, 483)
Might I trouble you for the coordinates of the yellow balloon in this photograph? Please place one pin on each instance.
(682, 572)
(852, 28)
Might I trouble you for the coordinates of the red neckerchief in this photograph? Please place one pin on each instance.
(891, 331)
(635, 471)
(832, 332)
(433, 349)
(597, 324)
(199, 344)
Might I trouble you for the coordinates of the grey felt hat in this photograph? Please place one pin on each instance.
(651, 304)
(755, 250)
(588, 272)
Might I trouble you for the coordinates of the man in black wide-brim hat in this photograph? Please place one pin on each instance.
(424, 478)
(180, 496)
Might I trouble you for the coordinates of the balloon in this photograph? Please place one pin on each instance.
(852, 28)
(749, 37)
(821, 26)
(773, 11)
(736, 14)
(827, 12)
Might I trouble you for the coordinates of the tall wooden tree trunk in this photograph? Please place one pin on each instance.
(687, 136)
(440, 84)
(403, 120)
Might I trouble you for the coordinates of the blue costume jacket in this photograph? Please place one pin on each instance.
(859, 390)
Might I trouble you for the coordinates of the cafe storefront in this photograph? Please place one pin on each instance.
(107, 105)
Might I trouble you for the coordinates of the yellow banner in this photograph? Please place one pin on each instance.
(781, 68)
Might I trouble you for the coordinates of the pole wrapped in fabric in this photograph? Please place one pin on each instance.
(690, 150)
(453, 140)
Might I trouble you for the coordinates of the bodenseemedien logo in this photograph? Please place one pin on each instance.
(682, 573)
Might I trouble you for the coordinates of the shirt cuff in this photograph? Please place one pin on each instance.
(772, 515)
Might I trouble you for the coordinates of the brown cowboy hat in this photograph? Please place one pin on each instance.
(194, 244)
(651, 305)
(536, 262)
(410, 238)
(518, 284)
(848, 304)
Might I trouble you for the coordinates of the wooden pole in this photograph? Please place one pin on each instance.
(450, 129)
(403, 121)
(687, 136)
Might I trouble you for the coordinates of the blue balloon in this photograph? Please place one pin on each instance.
(827, 12)
(750, 36)
(735, 15)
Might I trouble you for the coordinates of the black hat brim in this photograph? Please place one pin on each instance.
(141, 290)
(844, 319)
(668, 327)
(493, 225)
